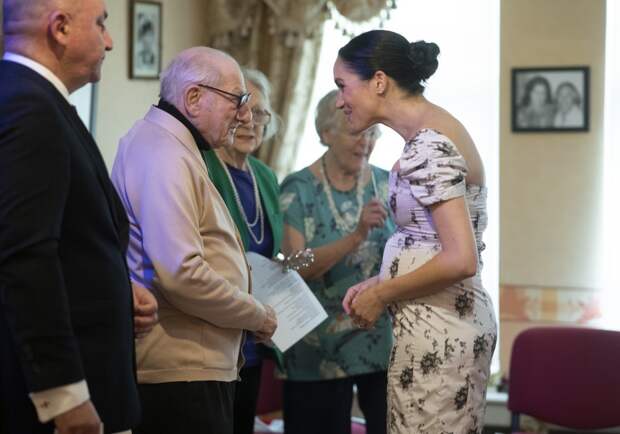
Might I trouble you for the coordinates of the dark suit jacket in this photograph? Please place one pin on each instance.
(65, 295)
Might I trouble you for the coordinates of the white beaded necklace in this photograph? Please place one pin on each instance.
(341, 224)
(259, 217)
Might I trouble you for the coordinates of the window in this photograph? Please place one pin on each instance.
(611, 178)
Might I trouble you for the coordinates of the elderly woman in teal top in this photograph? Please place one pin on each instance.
(250, 190)
(337, 207)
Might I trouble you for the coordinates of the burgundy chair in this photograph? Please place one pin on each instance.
(566, 376)
(270, 392)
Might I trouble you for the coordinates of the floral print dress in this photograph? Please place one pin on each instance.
(443, 343)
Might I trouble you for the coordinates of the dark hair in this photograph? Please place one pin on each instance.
(529, 86)
(571, 86)
(146, 26)
(409, 64)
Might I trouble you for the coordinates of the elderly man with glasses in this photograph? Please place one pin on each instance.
(185, 248)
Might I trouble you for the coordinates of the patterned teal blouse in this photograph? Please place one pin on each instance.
(336, 348)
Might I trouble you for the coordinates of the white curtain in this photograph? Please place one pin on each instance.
(282, 38)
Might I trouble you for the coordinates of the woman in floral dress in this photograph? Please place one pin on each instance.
(337, 207)
(443, 320)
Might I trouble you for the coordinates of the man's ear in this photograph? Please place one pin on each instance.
(191, 100)
(59, 26)
(380, 82)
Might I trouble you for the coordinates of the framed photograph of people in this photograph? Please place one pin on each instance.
(550, 99)
(145, 37)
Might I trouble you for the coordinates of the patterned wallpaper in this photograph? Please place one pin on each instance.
(549, 304)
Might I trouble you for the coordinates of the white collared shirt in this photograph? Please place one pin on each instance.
(39, 69)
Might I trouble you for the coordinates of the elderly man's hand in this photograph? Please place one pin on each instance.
(144, 310)
(269, 326)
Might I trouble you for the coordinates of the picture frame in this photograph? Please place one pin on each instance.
(550, 99)
(145, 39)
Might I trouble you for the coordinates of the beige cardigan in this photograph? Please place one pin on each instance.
(185, 248)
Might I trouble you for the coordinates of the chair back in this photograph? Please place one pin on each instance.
(270, 392)
(566, 376)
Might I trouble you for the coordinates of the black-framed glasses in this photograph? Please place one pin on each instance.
(242, 99)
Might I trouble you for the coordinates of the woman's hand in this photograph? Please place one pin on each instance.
(363, 304)
(367, 307)
(373, 216)
(353, 291)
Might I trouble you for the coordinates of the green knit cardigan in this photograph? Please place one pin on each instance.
(268, 189)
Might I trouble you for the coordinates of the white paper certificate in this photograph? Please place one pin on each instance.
(297, 309)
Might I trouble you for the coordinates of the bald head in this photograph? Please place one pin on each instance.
(69, 37)
(203, 65)
(29, 18)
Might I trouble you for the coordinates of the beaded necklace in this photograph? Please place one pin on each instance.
(341, 224)
(259, 217)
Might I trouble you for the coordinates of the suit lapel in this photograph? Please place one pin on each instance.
(117, 213)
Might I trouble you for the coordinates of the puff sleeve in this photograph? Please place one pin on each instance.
(434, 168)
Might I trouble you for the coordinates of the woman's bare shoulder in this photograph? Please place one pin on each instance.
(449, 126)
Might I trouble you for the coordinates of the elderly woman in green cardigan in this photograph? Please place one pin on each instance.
(250, 190)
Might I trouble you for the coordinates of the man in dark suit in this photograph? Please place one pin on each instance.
(66, 328)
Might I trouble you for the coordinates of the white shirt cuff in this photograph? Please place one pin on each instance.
(52, 402)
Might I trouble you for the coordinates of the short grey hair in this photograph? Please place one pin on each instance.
(326, 114)
(328, 117)
(191, 66)
(260, 80)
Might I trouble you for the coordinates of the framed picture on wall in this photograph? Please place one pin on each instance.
(552, 99)
(145, 39)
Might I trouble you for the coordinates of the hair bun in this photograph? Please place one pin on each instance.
(423, 57)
